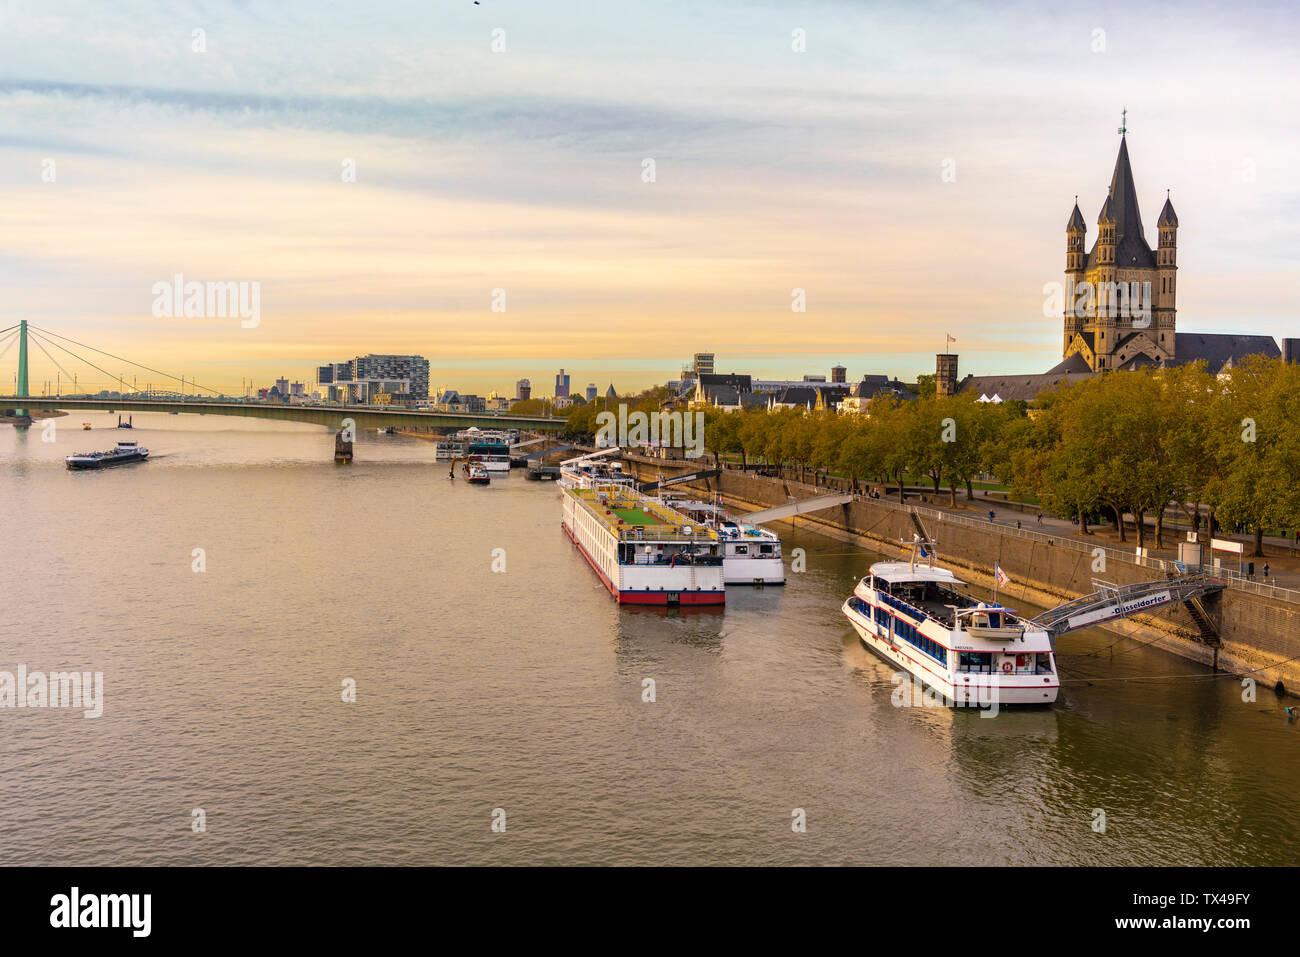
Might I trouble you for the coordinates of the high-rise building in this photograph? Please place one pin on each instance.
(523, 390)
(413, 368)
(561, 385)
(703, 364)
(592, 391)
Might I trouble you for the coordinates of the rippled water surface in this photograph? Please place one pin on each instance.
(523, 691)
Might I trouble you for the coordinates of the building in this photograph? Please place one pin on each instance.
(1120, 299)
(413, 370)
(561, 385)
(592, 391)
(703, 364)
(839, 374)
(523, 390)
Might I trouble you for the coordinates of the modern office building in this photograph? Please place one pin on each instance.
(592, 391)
(703, 364)
(371, 369)
(561, 385)
(523, 390)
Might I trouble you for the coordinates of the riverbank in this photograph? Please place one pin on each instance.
(1260, 635)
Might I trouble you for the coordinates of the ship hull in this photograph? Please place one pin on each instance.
(78, 465)
(647, 596)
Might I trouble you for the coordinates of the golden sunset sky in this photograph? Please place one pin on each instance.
(522, 170)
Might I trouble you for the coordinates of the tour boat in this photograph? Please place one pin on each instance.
(493, 456)
(973, 653)
(750, 556)
(478, 475)
(125, 452)
(576, 473)
(643, 551)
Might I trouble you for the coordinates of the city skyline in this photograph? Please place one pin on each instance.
(867, 170)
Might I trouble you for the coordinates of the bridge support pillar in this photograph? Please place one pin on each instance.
(342, 449)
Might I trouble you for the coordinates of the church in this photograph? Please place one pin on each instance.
(1120, 308)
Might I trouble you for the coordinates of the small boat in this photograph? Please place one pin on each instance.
(478, 475)
(125, 452)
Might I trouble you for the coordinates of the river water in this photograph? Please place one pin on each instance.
(520, 691)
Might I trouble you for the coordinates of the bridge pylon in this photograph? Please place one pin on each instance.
(22, 365)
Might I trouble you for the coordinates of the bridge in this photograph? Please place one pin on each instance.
(331, 415)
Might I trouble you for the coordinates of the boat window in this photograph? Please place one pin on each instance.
(742, 549)
(765, 549)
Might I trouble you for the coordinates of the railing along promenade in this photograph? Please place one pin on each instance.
(1234, 578)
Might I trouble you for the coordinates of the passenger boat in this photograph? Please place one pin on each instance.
(478, 475)
(125, 452)
(449, 450)
(493, 456)
(974, 653)
(576, 473)
(750, 555)
(644, 552)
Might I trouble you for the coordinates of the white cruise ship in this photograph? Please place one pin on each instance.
(644, 553)
(971, 652)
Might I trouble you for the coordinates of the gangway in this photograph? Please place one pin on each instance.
(541, 453)
(1111, 601)
(592, 455)
(679, 479)
(796, 508)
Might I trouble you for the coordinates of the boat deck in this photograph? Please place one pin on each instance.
(633, 517)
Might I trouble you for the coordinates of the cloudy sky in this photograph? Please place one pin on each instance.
(521, 170)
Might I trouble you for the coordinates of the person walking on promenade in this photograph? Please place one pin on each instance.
(1266, 571)
(990, 515)
(1040, 518)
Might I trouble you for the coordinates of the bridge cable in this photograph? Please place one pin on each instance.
(40, 346)
(111, 377)
(128, 361)
(12, 339)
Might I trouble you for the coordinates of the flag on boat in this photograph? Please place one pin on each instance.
(949, 338)
(999, 574)
(924, 553)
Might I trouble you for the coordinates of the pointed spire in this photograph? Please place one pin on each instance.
(1076, 223)
(1107, 214)
(1167, 215)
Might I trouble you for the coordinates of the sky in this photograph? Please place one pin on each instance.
(384, 177)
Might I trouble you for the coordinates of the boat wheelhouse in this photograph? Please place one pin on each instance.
(972, 652)
(644, 552)
(750, 555)
(493, 456)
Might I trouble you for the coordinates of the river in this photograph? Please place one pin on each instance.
(518, 694)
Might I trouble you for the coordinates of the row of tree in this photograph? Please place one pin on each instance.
(1132, 442)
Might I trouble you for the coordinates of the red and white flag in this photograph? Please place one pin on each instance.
(949, 338)
(999, 574)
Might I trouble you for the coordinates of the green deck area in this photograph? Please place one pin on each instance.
(635, 516)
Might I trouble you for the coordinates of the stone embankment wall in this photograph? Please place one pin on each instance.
(1259, 634)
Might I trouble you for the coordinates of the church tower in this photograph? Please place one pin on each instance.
(1076, 232)
(1122, 312)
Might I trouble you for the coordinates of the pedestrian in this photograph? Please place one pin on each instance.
(1266, 571)
(1017, 523)
(1040, 518)
(990, 515)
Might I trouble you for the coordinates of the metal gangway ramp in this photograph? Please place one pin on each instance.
(797, 508)
(1110, 602)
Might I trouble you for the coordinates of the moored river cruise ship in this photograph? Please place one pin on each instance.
(973, 653)
(644, 552)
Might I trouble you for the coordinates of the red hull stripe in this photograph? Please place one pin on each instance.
(646, 597)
